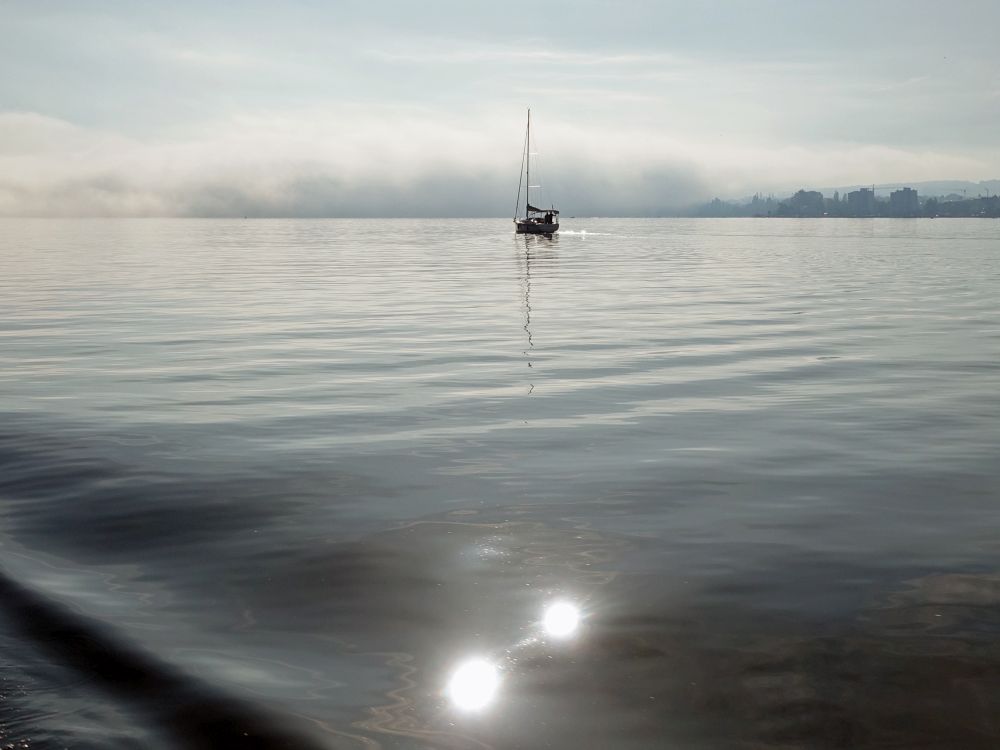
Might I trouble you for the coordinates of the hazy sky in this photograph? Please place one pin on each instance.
(417, 108)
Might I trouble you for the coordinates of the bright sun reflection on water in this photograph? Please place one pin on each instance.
(473, 684)
(561, 619)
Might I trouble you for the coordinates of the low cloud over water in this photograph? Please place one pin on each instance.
(358, 162)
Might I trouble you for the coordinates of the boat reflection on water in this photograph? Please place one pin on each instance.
(534, 253)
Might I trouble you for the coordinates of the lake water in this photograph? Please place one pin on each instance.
(318, 484)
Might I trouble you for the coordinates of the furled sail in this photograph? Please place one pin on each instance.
(542, 210)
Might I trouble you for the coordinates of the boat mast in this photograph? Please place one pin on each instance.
(527, 174)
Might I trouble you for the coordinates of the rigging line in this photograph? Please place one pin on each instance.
(560, 188)
(520, 175)
(527, 165)
(541, 176)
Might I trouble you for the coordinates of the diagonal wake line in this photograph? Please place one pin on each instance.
(193, 713)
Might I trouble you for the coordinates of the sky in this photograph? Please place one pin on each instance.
(344, 108)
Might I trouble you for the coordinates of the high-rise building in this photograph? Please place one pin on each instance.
(904, 203)
(804, 203)
(861, 202)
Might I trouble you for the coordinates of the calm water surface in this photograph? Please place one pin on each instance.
(317, 484)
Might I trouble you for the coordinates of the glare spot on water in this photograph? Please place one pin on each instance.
(473, 685)
(561, 619)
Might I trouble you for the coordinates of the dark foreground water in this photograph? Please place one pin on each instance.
(316, 484)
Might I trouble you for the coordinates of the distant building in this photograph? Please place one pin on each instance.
(861, 202)
(803, 203)
(760, 206)
(904, 203)
(810, 203)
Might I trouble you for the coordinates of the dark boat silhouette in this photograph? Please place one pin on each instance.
(535, 220)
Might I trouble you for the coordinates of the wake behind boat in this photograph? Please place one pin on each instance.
(535, 220)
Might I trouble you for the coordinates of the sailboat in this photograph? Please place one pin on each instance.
(535, 220)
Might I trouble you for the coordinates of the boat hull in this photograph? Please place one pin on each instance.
(531, 227)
